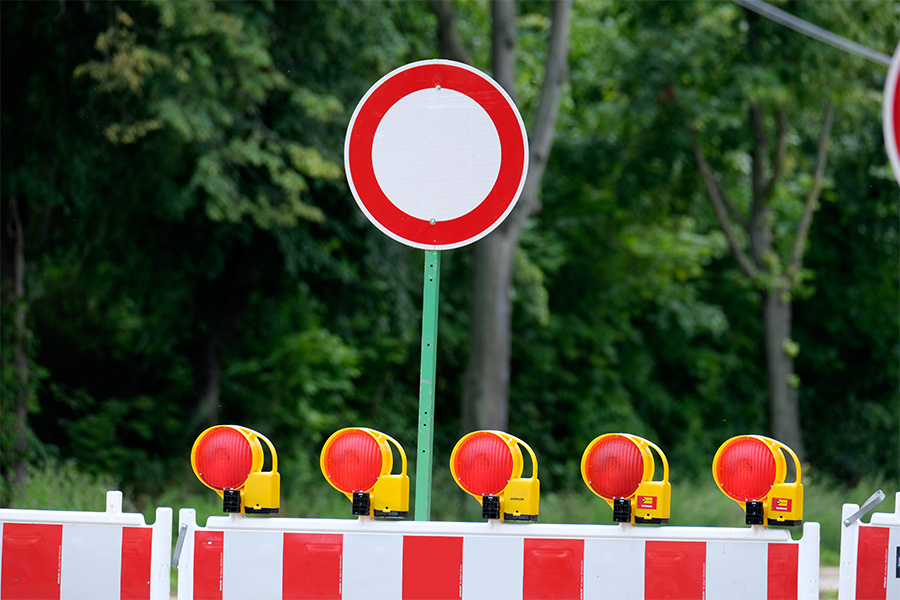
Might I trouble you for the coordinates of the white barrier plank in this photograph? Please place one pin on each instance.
(870, 555)
(365, 558)
(487, 557)
(78, 554)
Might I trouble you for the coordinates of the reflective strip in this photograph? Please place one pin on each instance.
(252, 565)
(872, 563)
(208, 564)
(783, 568)
(312, 566)
(137, 557)
(736, 570)
(613, 570)
(91, 562)
(674, 570)
(893, 574)
(32, 553)
(491, 567)
(432, 567)
(373, 566)
(553, 569)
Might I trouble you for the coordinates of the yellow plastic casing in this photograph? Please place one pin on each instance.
(783, 504)
(389, 495)
(520, 498)
(652, 500)
(261, 492)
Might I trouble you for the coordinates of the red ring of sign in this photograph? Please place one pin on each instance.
(509, 178)
(892, 113)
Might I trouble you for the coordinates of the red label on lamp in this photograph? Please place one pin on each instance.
(781, 504)
(646, 502)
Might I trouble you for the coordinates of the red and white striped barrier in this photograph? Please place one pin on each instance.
(49, 555)
(236, 557)
(870, 556)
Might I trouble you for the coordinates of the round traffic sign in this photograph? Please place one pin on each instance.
(436, 154)
(891, 111)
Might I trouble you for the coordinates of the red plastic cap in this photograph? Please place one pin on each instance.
(483, 464)
(224, 458)
(746, 469)
(353, 461)
(615, 467)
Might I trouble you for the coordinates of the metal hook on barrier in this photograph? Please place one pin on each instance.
(873, 501)
(178, 544)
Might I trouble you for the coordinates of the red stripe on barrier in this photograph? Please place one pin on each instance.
(432, 567)
(872, 563)
(674, 570)
(782, 575)
(553, 569)
(208, 559)
(32, 558)
(32, 555)
(137, 543)
(312, 566)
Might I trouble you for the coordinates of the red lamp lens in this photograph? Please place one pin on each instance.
(353, 461)
(483, 464)
(224, 458)
(746, 469)
(615, 467)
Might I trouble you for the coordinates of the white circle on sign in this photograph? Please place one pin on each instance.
(436, 154)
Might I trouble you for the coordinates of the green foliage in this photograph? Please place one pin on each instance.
(62, 485)
(178, 166)
(209, 81)
(680, 346)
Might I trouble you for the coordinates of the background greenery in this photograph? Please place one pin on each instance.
(193, 254)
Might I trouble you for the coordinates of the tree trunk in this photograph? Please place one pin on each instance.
(485, 402)
(232, 296)
(20, 341)
(784, 412)
(449, 41)
(486, 392)
(207, 412)
(774, 276)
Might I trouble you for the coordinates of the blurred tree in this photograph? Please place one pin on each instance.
(206, 77)
(180, 243)
(485, 401)
(723, 63)
(43, 171)
(186, 233)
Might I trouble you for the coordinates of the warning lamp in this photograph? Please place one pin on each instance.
(488, 465)
(229, 459)
(358, 462)
(619, 468)
(751, 469)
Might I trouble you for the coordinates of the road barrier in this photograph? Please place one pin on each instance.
(237, 557)
(870, 555)
(49, 555)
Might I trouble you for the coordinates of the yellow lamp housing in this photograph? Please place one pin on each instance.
(619, 468)
(358, 461)
(488, 465)
(751, 469)
(228, 459)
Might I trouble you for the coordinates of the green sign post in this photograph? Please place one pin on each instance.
(430, 301)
